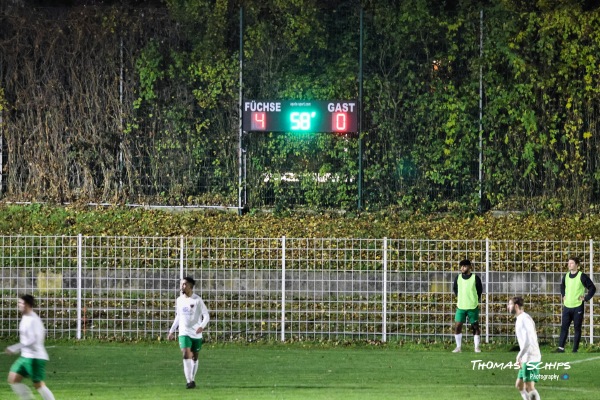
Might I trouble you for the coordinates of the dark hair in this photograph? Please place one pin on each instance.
(190, 280)
(465, 262)
(576, 259)
(28, 299)
(518, 300)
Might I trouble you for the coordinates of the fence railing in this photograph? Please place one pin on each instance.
(283, 288)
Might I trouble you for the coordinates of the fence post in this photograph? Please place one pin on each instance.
(592, 299)
(384, 305)
(487, 290)
(283, 288)
(79, 266)
(181, 250)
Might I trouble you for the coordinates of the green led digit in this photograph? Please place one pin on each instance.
(301, 121)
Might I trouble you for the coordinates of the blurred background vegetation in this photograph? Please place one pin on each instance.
(42, 220)
(129, 102)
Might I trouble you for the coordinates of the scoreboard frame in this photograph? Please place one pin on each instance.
(310, 116)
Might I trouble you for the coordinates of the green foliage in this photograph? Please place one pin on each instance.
(150, 71)
(2, 100)
(423, 131)
(391, 223)
(548, 119)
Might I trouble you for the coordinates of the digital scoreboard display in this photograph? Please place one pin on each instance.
(339, 116)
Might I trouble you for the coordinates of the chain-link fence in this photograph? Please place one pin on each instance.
(284, 288)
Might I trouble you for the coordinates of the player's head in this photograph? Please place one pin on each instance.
(190, 280)
(26, 302)
(465, 266)
(515, 304)
(187, 285)
(573, 264)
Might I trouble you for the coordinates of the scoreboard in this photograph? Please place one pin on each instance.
(338, 116)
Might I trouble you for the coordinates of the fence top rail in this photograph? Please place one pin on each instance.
(296, 239)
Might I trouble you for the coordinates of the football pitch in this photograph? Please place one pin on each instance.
(109, 371)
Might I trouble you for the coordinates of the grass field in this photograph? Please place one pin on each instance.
(294, 371)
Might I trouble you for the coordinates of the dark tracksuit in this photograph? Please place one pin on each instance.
(574, 314)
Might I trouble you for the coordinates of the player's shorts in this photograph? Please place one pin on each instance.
(34, 368)
(529, 372)
(186, 342)
(461, 315)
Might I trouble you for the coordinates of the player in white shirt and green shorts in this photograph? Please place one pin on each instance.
(191, 318)
(32, 362)
(529, 356)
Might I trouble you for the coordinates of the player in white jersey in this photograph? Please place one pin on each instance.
(529, 356)
(191, 318)
(32, 362)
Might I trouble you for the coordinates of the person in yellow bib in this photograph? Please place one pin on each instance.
(468, 289)
(573, 288)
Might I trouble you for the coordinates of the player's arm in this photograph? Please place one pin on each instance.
(26, 339)
(455, 285)
(589, 285)
(174, 325)
(478, 287)
(14, 349)
(562, 286)
(205, 316)
(523, 339)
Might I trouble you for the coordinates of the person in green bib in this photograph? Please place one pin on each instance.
(573, 288)
(468, 289)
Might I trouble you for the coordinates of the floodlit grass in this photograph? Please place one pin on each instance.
(101, 371)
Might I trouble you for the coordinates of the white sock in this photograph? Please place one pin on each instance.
(194, 370)
(534, 395)
(188, 366)
(524, 394)
(476, 340)
(45, 393)
(22, 391)
(458, 339)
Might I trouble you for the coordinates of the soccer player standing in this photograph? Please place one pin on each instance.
(32, 362)
(192, 318)
(468, 289)
(572, 288)
(529, 356)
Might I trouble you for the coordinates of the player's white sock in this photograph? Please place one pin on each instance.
(45, 393)
(534, 395)
(458, 339)
(524, 394)
(194, 370)
(188, 367)
(22, 391)
(476, 340)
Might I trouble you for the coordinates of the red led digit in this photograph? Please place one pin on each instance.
(339, 122)
(259, 121)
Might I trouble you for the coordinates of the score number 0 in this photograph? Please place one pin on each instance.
(339, 122)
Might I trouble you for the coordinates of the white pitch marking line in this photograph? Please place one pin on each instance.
(584, 360)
